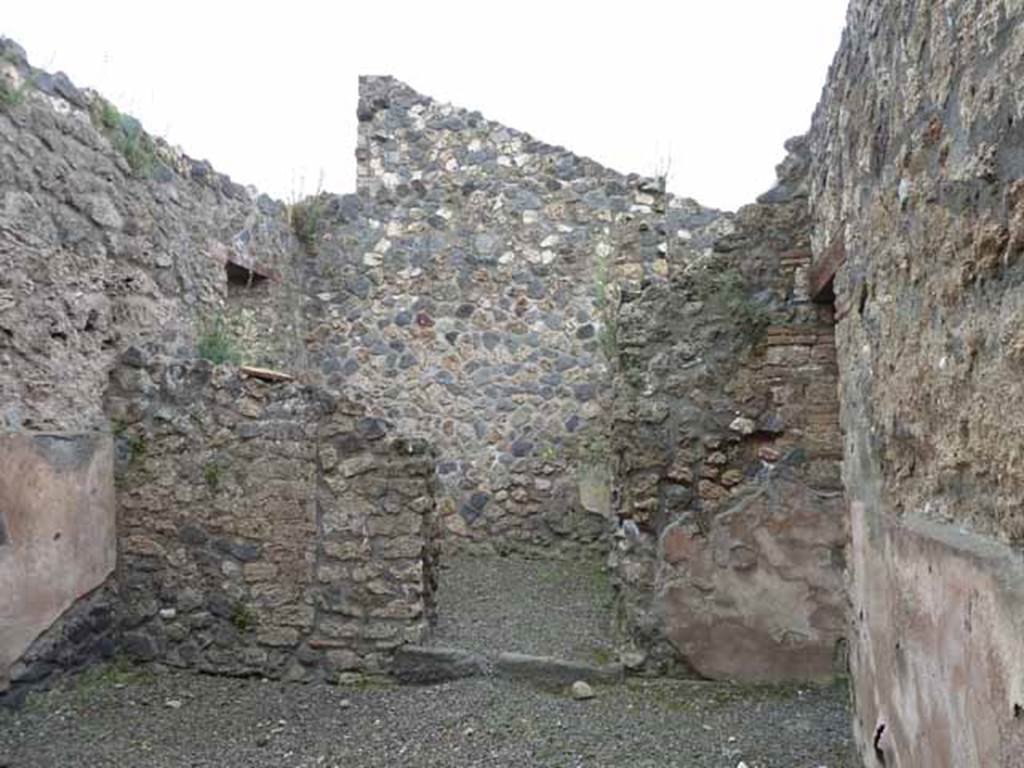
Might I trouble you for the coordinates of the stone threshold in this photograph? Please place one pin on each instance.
(427, 665)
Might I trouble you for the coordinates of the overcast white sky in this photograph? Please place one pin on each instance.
(267, 91)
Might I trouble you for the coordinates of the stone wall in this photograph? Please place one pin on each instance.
(110, 240)
(582, 347)
(265, 528)
(469, 292)
(731, 550)
(917, 158)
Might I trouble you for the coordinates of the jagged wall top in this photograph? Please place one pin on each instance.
(112, 239)
(405, 137)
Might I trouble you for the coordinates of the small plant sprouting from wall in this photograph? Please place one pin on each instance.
(729, 292)
(242, 617)
(138, 149)
(136, 448)
(549, 452)
(11, 95)
(663, 171)
(131, 455)
(594, 449)
(305, 215)
(126, 135)
(105, 115)
(305, 219)
(212, 474)
(606, 298)
(216, 344)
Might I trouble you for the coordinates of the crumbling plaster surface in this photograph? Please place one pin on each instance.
(57, 504)
(759, 597)
(938, 670)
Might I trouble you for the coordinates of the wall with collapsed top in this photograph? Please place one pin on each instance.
(726, 437)
(918, 208)
(110, 241)
(465, 290)
(469, 292)
(266, 527)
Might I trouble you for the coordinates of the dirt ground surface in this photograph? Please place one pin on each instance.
(117, 717)
(554, 608)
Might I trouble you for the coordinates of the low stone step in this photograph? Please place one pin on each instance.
(549, 672)
(424, 665)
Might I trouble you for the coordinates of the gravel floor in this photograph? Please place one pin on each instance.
(110, 718)
(539, 607)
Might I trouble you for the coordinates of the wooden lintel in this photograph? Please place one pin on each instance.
(265, 374)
